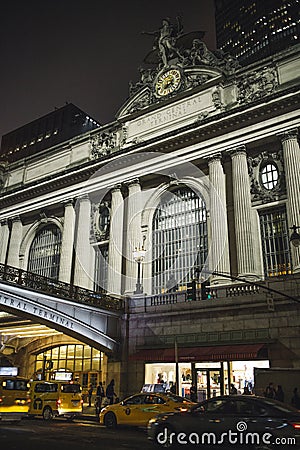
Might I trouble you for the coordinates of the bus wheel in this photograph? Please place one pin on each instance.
(47, 413)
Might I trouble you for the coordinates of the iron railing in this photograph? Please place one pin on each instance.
(59, 289)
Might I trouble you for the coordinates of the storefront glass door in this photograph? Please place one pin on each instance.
(209, 383)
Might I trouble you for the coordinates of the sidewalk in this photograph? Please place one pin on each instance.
(89, 413)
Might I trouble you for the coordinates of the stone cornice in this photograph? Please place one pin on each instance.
(223, 122)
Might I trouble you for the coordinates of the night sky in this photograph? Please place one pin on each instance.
(81, 51)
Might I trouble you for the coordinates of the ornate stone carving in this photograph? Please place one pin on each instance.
(259, 193)
(257, 84)
(185, 53)
(217, 98)
(102, 144)
(100, 220)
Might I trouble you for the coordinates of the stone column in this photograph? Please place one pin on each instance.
(82, 275)
(115, 248)
(243, 216)
(291, 155)
(13, 258)
(219, 249)
(67, 244)
(133, 233)
(4, 236)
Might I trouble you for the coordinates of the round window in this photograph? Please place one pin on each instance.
(269, 176)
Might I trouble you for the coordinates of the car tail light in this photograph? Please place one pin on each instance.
(295, 425)
(81, 401)
(58, 403)
(1, 399)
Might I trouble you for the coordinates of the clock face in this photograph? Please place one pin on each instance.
(168, 82)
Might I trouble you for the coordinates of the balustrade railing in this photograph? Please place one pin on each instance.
(59, 289)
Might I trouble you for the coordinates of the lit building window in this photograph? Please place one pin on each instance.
(275, 242)
(44, 253)
(83, 361)
(101, 268)
(179, 238)
(269, 176)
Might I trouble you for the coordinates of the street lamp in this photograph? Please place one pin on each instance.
(295, 237)
(139, 256)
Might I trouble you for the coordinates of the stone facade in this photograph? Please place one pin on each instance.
(196, 123)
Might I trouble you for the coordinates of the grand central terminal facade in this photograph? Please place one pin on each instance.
(157, 248)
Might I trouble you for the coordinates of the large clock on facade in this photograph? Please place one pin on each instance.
(168, 82)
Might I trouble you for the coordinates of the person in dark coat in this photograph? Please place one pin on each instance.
(110, 392)
(279, 395)
(270, 391)
(100, 394)
(295, 399)
(90, 393)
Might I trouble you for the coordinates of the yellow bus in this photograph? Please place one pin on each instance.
(14, 397)
(55, 398)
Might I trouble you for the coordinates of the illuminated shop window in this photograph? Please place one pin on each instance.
(179, 239)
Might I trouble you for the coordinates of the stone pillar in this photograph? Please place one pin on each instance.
(291, 155)
(82, 275)
(115, 249)
(4, 236)
(133, 233)
(13, 258)
(219, 249)
(243, 216)
(67, 244)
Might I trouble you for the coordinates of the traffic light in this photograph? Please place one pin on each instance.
(191, 291)
(205, 291)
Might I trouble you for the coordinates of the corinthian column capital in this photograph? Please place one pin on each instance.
(288, 134)
(215, 158)
(239, 150)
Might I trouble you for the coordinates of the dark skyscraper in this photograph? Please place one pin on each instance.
(254, 29)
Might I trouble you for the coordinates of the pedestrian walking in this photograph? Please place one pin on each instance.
(100, 394)
(279, 394)
(90, 393)
(110, 392)
(270, 391)
(295, 399)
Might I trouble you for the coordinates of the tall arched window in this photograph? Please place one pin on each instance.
(44, 253)
(179, 239)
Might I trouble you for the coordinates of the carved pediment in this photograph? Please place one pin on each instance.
(189, 78)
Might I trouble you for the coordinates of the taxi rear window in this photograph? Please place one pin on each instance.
(70, 388)
(15, 385)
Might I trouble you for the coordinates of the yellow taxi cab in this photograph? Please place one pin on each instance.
(14, 398)
(55, 398)
(138, 409)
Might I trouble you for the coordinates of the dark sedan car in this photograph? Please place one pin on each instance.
(232, 421)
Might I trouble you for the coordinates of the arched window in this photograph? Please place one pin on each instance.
(179, 239)
(44, 253)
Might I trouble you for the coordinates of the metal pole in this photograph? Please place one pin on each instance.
(177, 367)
